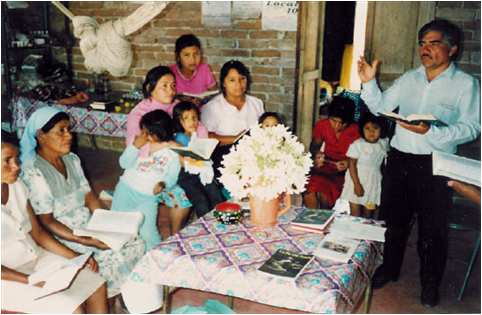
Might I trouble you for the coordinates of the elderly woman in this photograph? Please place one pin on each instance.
(331, 139)
(231, 113)
(27, 247)
(61, 196)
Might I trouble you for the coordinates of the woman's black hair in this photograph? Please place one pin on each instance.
(376, 120)
(238, 66)
(54, 120)
(9, 138)
(279, 117)
(177, 114)
(343, 108)
(183, 41)
(159, 124)
(152, 77)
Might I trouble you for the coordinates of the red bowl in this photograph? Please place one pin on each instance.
(227, 206)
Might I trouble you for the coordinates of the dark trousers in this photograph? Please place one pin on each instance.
(218, 156)
(410, 188)
(202, 197)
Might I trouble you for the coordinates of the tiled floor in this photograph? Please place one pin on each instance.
(401, 297)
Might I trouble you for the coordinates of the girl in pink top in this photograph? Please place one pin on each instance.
(192, 76)
(159, 89)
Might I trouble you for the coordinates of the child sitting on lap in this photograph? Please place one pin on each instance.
(197, 181)
(148, 180)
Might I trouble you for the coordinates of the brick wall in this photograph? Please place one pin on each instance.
(466, 14)
(270, 55)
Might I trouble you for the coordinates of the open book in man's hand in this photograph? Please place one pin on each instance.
(58, 276)
(198, 148)
(414, 119)
(114, 228)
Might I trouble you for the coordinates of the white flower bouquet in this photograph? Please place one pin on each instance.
(266, 163)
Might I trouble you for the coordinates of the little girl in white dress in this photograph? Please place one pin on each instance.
(362, 186)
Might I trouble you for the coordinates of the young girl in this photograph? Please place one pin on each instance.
(148, 180)
(197, 176)
(159, 89)
(192, 75)
(363, 181)
(271, 119)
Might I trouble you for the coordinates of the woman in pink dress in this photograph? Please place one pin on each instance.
(159, 89)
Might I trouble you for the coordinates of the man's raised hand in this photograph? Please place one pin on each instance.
(367, 72)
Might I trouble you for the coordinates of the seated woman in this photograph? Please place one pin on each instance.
(61, 196)
(331, 139)
(27, 247)
(229, 114)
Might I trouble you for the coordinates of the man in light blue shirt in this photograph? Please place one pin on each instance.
(439, 88)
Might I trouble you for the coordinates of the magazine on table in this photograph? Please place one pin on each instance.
(336, 248)
(413, 119)
(311, 218)
(285, 263)
(356, 228)
(114, 228)
(198, 148)
(456, 167)
(58, 276)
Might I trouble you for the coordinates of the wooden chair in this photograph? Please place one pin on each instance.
(465, 216)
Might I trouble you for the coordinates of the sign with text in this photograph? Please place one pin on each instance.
(280, 15)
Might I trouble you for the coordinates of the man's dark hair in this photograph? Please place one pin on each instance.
(240, 68)
(451, 32)
(158, 123)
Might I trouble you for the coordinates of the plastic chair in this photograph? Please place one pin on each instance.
(464, 217)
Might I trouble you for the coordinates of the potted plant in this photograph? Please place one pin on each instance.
(267, 165)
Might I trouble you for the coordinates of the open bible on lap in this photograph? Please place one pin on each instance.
(198, 148)
(59, 276)
(112, 227)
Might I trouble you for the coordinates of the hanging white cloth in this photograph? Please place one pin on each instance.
(105, 47)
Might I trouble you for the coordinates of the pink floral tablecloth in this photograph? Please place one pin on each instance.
(83, 119)
(209, 256)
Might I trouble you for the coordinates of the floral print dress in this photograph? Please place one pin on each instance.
(51, 192)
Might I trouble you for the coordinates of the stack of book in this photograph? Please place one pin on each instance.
(313, 220)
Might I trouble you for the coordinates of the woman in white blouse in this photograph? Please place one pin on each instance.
(27, 247)
(231, 113)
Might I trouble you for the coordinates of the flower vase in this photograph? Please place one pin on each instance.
(265, 213)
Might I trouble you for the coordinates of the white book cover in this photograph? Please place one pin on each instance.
(456, 167)
(356, 228)
(58, 277)
(337, 248)
(201, 95)
(198, 148)
(112, 227)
